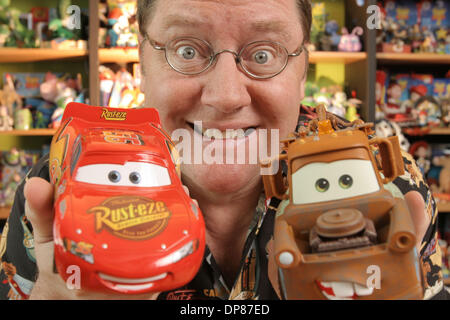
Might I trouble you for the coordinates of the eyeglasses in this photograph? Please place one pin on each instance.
(258, 59)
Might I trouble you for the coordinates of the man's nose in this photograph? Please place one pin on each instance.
(225, 87)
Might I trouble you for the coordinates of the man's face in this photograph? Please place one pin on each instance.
(224, 97)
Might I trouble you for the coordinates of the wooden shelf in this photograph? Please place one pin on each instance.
(132, 55)
(118, 55)
(439, 131)
(31, 132)
(423, 58)
(447, 282)
(14, 55)
(4, 212)
(336, 57)
(443, 206)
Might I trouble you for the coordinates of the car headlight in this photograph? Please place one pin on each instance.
(181, 253)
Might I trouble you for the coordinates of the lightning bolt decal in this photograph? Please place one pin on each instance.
(58, 152)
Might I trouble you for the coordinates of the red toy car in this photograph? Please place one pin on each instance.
(121, 214)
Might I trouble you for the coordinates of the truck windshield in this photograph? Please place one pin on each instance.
(327, 181)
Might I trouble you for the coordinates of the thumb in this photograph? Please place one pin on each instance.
(39, 208)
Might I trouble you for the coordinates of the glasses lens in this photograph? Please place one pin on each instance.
(264, 59)
(189, 55)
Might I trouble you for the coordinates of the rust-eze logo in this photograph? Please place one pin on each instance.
(113, 115)
(131, 217)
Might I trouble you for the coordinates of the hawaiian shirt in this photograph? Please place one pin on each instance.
(18, 268)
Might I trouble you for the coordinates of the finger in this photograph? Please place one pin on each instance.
(186, 189)
(420, 217)
(39, 208)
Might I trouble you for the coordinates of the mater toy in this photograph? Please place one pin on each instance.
(121, 214)
(337, 228)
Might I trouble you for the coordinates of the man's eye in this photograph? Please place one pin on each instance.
(186, 52)
(262, 57)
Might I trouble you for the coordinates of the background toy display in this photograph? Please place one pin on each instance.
(414, 26)
(412, 100)
(43, 27)
(325, 32)
(341, 101)
(385, 128)
(36, 100)
(14, 165)
(118, 24)
(120, 89)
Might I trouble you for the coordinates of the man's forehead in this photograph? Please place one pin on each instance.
(260, 16)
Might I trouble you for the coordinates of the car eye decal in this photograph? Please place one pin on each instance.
(114, 176)
(131, 174)
(135, 177)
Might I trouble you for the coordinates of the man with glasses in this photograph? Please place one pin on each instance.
(233, 65)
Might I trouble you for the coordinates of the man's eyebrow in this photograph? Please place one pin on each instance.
(263, 26)
(273, 26)
(175, 20)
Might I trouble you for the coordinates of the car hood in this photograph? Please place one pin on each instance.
(132, 222)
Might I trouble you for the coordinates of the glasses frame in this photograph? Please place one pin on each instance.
(237, 56)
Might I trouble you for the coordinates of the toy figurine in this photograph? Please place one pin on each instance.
(385, 128)
(416, 37)
(422, 153)
(6, 121)
(350, 42)
(121, 214)
(430, 108)
(336, 218)
(23, 119)
(353, 105)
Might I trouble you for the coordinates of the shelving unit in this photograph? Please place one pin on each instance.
(336, 57)
(410, 58)
(31, 132)
(118, 55)
(4, 212)
(15, 55)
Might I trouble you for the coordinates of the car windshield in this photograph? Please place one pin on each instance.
(327, 181)
(130, 174)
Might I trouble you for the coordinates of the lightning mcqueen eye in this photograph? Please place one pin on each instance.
(114, 176)
(135, 177)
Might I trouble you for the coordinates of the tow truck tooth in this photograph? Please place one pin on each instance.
(362, 290)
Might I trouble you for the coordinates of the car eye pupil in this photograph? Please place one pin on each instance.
(114, 176)
(345, 181)
(135, 177)
(322, 185)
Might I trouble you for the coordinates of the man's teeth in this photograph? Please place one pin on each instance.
(337, 290)
(227, 134)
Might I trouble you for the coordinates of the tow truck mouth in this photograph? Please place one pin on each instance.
(130, 284)
(342, 290)
(214, 133)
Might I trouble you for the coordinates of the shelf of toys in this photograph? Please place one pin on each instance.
(415, 35)
(18, 55)
(339, 54)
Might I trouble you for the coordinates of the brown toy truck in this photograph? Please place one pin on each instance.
(338, 232)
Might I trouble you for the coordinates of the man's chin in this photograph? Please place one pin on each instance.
(223, 178)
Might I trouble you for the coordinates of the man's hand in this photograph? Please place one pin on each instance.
(49, 285)
(421, 219)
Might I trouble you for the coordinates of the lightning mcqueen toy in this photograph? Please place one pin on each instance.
(121, 214)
